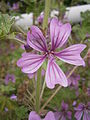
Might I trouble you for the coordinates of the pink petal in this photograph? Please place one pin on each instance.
(53, 24)
(49, 116)
(78, 115)
(71, 54)
(54, 75)
(30, 63)
(86, 115)
(65, 32)
(36, 40)
(59, 33)
(34, 116)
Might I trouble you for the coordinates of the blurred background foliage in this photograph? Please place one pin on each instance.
(10, 52)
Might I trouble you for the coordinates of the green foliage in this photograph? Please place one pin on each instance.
(21, 112)
(65, 94)
(84, 28)
(75, 2)
(5, 24)
(88, 1)
(35, 6)
(7, 89)
(3, 6)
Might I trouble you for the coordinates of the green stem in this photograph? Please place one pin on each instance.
(46, 13)
(31, 95)
(38, 88)
(20, 41)
(43, 87)
(21, 30)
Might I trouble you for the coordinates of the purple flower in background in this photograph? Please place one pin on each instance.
(74, 103)
(88, 91)
(13, 97)
(9, 78)
(59, 34)
(73, 80)
(40, 18)
(76, 88)
(34, 116)
(12, 46)
(15, 6)
(89, 61)
(6, 109)
(82, 111)
(32, 75)
(64, 114)
(88, 56)
(87, 35)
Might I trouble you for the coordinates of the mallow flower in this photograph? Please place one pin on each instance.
(34, 116)
(10, 78)
(13, 97)
(64, 114)
(82, 111)
(59, 34)
(40, 18)
(32, 75)
(73, 80)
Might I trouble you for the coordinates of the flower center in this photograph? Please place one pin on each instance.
(50, 54)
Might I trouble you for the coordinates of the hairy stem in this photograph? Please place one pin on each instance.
(43, 87)
(46, 13)
(20, 29)
(20, 41)
(38, 88)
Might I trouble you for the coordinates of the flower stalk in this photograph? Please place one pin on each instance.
(20, 41)
(43, 87)
(38, 86)
(38, 89)
(46, 13)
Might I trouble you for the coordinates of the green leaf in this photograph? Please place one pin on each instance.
(5, 24)
(84, 28)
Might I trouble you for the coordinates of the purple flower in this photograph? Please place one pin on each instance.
(13, 97)
(64, 114)
(40, 18)
(12, 46)
(59, 34)
(88, 91)
(31, 75)
(74, 103)
(76, 88)
(9, 78)
(82, 111)
(6, 109)
(34, 116)
(15, 6)
(73, 80)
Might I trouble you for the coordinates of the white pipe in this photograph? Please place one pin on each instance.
(24, 21)
(72, 14)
